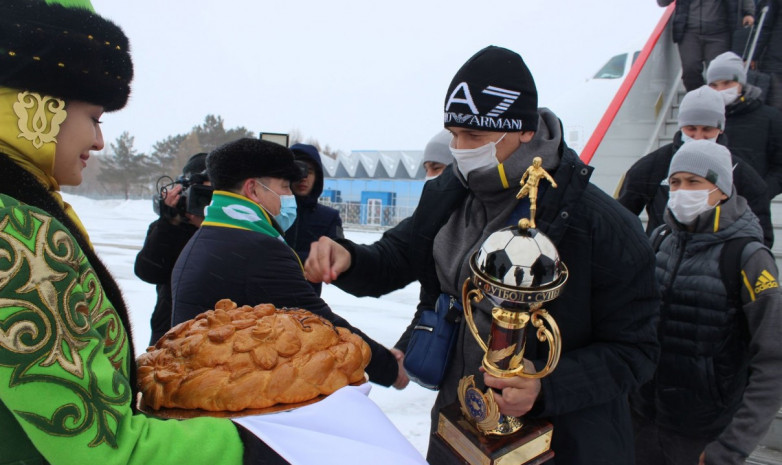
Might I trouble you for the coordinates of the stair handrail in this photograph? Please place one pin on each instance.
(662, 118)
(608, 117)
(758, 30)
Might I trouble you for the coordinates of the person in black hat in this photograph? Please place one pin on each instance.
(68, 385)
(312, 219)
(239, 252)
(166, 237)
(607, 312)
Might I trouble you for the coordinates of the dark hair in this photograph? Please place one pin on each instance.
(231, 164)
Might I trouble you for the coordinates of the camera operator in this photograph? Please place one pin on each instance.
(178, 205)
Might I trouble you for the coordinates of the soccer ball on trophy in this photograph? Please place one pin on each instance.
(519, 257)
(518, 266)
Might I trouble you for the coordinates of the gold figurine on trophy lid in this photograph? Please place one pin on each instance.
(513, 274)
(529, 186)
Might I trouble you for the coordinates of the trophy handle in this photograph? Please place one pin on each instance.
(466, 303)
(554, 342)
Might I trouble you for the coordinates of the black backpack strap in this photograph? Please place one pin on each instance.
(659, 233)
(730, 266)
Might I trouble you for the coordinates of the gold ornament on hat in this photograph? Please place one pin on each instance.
(31, 108)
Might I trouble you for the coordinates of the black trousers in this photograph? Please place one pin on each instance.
(656, 446)
(695, 50)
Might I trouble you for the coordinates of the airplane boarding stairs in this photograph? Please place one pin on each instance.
(642, 117)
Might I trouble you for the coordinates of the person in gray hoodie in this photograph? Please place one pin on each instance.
(718, 384)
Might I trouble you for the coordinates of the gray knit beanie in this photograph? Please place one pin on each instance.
(706, 159)
(726, 67)
(438, 149)
(702, 107)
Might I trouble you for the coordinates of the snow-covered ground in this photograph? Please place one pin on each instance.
(117, 229)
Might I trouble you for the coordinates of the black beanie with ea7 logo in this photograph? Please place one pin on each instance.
(493, 91)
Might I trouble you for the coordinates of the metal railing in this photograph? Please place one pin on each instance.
(354, 214)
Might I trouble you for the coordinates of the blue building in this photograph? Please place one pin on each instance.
(373, 187)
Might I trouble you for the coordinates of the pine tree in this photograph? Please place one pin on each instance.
(212, 133)
(126, 169)
(165, 155)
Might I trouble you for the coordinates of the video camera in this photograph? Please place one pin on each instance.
(194, 198)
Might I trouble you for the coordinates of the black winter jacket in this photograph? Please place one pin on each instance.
(252, 268)
(754, 132)
(721, 360)
(704, 359)
(644, 187)
(769, 47)
(607, 312)
(154, 264)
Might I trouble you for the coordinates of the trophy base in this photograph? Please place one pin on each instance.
(457, 441)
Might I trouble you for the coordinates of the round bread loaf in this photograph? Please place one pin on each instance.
(235, 358)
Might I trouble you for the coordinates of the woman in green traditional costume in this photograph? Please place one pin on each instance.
(67, 368)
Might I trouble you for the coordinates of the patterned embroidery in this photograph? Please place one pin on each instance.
(56, 323)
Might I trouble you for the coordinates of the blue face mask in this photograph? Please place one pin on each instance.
(287, 214)
(287, 209)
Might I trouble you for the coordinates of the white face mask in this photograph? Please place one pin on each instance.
(469, 160)
(687, 205)
(686, 138)
(730, 94)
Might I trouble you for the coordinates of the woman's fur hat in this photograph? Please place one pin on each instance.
(66, 52)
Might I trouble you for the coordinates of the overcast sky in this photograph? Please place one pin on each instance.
(355, 75)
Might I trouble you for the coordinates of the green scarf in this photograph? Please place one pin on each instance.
(229, 210)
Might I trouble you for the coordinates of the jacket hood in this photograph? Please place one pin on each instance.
(310, 153)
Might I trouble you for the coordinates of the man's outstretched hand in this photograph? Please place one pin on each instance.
(327, 260)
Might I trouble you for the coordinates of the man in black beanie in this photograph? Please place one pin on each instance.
(608, 310)
(239, 252)
(166, 237)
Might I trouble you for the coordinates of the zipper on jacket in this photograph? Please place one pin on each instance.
(669, 285)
